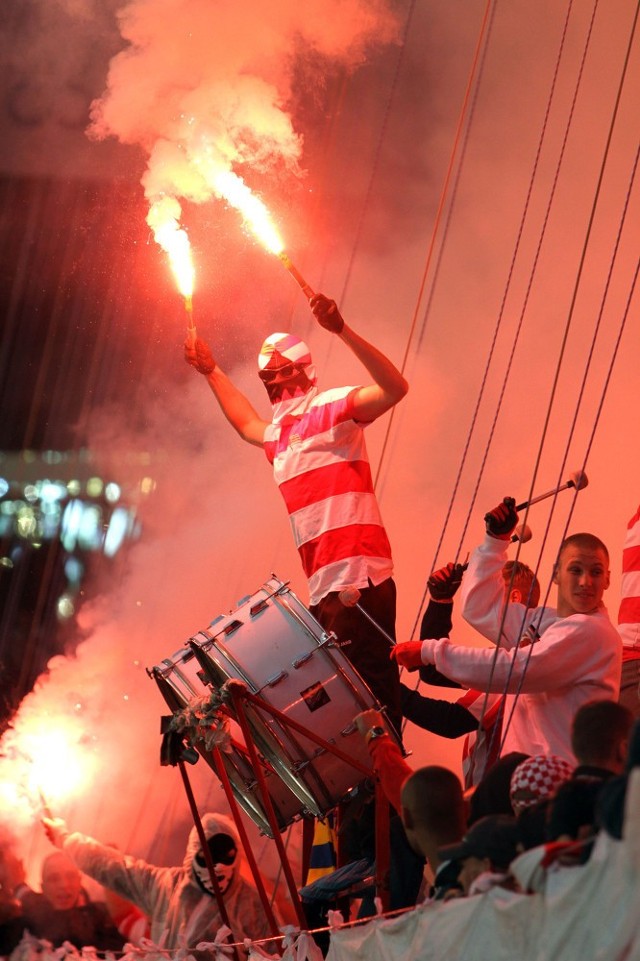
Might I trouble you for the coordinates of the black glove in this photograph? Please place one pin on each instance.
(326, 313)
(198, 354)
(502, 520)
(444, 582)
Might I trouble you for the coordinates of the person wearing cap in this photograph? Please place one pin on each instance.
(485, 853)
(180, 901)
(536, 779)
(533, 784)
(315, 443)
(549, 661)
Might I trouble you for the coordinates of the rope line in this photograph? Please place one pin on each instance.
(541, 238)
(498, 326)
(518, 330)
(427, 311)
(441, 204)
(589, 446)
(573, 303)
(372, 176)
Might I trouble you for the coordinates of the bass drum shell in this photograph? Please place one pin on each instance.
(275, 646)
(181, 681)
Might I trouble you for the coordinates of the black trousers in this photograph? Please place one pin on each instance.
(364, 645)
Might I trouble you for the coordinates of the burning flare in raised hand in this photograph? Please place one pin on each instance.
(258, 219)
(204, 89)
(163, 218)
(45, 760)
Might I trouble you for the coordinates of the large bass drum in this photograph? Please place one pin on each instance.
(275, 646)
(181, 682)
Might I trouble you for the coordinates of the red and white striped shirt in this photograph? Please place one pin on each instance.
(481, 748)
(629, 613)
(321, 466)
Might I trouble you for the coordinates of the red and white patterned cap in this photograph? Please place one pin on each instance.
(290, 348)
(536, 779)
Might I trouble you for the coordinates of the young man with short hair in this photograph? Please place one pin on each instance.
(548, 661)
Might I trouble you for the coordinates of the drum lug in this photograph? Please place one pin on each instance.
(299, 766)
(299, 661)
(272, 681)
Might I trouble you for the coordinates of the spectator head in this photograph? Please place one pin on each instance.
(521, 584)
(223, 845)
(582, 574)
(600, 734)
(571, 815)
(492, 794)
(61, 881)
(536, 779)
(490, 844)
(433, 810)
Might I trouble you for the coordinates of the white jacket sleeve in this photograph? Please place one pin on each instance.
(484, 604)
(571, 650)
(147, 886)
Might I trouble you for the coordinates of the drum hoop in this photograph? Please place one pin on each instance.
(218, 646)
(268, 735)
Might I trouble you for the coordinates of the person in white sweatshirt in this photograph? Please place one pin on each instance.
(548, 661)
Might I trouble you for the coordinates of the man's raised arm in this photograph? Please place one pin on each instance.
(389, 387)
(233, 403)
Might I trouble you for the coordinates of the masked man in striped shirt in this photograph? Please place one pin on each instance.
(315, 443)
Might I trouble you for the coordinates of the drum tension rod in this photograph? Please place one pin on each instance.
(299, 661)
(275, 679)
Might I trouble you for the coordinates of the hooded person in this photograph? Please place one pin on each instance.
(179, 901)
(315, 442)
(288, 374)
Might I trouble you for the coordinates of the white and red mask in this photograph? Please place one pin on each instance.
(285, 369)
(224, 855)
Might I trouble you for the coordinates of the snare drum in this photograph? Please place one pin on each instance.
(181, 681)
(276, 646)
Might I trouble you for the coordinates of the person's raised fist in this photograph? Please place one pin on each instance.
(198, 354)
(444, 582)
(501, 521)
(326, 313)
(56, 830)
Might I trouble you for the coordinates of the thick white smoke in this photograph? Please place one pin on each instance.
(205, 88)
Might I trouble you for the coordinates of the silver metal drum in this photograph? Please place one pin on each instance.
(275, 645)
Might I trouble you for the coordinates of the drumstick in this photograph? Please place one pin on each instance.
(350, 597)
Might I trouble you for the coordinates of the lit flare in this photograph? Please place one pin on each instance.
(259, 221)
(163, 220)
(45, 762)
